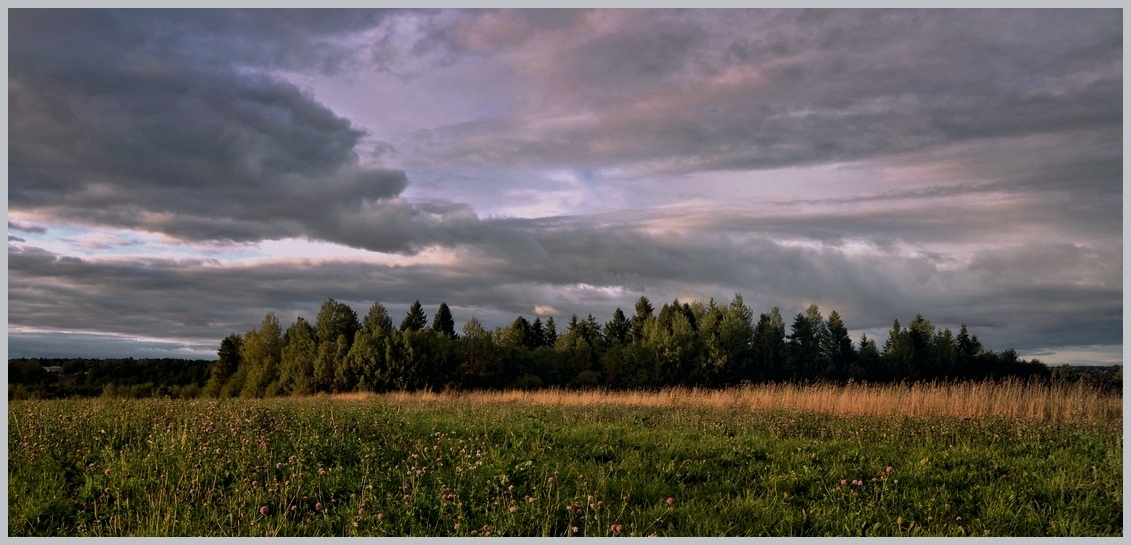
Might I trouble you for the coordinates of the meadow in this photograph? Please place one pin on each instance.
(977, 459)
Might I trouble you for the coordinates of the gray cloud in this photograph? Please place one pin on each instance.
(698, 90)
(121, 128)
(184, 125)
(1024, 296)
(16, 226)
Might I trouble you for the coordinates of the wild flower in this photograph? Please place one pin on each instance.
(380, 516)
(513, 509)
(617, 528)
(671, 501)
(318, 506)
(263, 510)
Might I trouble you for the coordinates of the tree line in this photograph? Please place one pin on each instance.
(28, 378)
(693, 344)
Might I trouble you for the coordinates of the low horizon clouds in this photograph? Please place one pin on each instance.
(175, 175)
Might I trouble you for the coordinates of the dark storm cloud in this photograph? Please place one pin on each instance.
(128, 122)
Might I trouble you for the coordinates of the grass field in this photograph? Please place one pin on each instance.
(816, 461)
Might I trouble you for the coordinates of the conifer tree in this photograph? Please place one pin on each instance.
(414, 319)
(550, 335)
(618, 329)
(642, 316)
(769, 347)
(226, 364)
(838, 346)
(443, 322)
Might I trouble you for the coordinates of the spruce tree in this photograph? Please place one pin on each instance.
(618, 329)
(550, 334)
(643, 315)
(414, 319)
(443, 322)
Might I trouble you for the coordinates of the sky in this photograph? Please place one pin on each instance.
(174, 175)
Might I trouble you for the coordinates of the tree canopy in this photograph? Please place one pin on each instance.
(705, 344)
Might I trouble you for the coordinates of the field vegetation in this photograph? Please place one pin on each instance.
(997, 459)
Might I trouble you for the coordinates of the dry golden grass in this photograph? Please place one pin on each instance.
(1009, 399)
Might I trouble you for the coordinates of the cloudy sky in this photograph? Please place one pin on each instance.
(174, 175)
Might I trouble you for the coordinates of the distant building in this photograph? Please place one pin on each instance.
(53, 368)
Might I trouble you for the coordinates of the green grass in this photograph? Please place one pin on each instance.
(200, 468)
